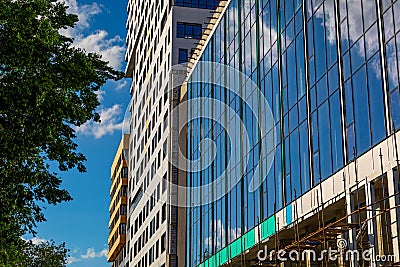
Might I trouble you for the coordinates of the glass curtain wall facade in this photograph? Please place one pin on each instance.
(330, 73)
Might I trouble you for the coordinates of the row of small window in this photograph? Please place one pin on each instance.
(146, 158)
(153, 253)
(153, 92)
(144, 214)
(152, 171)
(141, 163)
(150, 122)
(139, 220)
(148, 233)
(146, 61)
(206, 4)
(188, 30)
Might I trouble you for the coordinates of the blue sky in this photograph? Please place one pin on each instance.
(83, 222)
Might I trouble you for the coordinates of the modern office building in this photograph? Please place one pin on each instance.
(118, 204)
(329, 70)
(160, 35)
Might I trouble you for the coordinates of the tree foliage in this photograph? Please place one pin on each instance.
(43, 254)
(47, 88)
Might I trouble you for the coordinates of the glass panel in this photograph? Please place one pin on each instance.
(395, 104)
(336, 128)
(325, 140)
(304, 158)
(361, 112)
(375, 88)
(295, 164)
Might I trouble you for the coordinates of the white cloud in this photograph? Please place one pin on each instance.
(100, 95)
(111, 121)
(91, 254)
(72, 259)
(103, 253)
(121, 84)
(84, 12)
(97, 41)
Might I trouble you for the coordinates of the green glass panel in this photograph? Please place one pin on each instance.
(211, 262)
(249, 239)
(268, 228)
(223, 256)
(236, 248)
(214, 261)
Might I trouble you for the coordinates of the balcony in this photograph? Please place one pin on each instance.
(116, 248)
(114, 213)
(116, 199)
(117, 178)
(121, 220)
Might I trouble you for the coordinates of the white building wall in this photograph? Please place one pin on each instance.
(153, 49)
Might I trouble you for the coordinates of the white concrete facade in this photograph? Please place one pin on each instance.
(153, 48)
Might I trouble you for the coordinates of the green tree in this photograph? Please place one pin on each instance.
(47, 88)
(43, 254)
